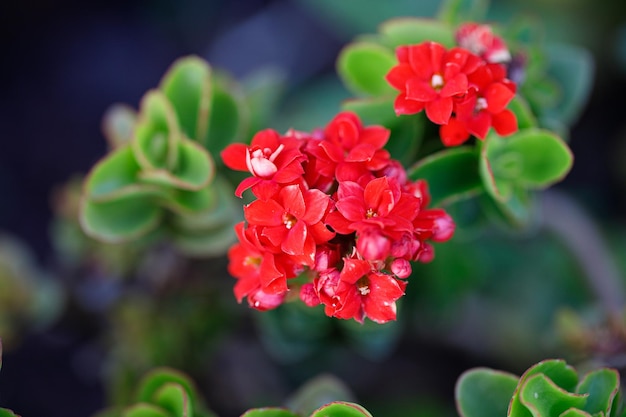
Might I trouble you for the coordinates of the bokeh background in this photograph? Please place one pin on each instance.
(65, 62)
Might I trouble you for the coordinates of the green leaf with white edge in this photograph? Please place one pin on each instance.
(543, 398)
(119, 220)
(157, 132)
(229, 118)
(317, 392)
(208, 242)
(557, 370)
(152, 382)
(269, 412)
(116, 176)
(220, 207)
(414, 30)
(187, 85)
(195, 169)
(452, 174)
(574, 412)
(525, 117)
(341, 409)
(174, 398)
(602, 385)
(483, 392)
(118, 124)
(573, 68)
(363, 66)
(541, 158)
(145, 410)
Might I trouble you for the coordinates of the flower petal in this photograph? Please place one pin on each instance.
(264, 213)
(439, 111)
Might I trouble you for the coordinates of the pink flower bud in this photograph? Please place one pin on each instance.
(401, 268)
(308, 295)
(372, 245)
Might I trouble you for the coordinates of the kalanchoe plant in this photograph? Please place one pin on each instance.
(163, 392)
(159, 179)
(550, 388)
(334, 409)
(336, 211)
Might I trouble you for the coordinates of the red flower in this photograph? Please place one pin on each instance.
(261, 275)
(484, 106)
(480, 40)
(429, 77)
(271, 159)
(358, 292)
(292, 221)
(348, 150)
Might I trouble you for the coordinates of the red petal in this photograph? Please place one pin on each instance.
(275, 234)
(420, 90)
(497, 96)
(339, 223)
(316, 203)
(419, 58)
(455, 85)
(505, 122)
(454, 133)
(265, 189)
(376, 136)
(354, 269)
(292, 200)
(320, 233)
(264, 213)
(294, 242)
(380, 305)
(272, 280)
(360, 153)
(378, 196)
(351, 208)
(402, 105)
(439, 111)
(479, 124)
(267, 138)
(234, 156)
(398, 76)
(245, 184)
(437, 51)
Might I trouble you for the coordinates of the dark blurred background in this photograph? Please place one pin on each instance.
(65, 62)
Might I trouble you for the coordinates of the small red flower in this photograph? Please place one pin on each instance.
(271, 159)
(292, 221)
(483, 107)
(428, 77)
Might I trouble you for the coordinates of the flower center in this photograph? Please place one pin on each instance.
(436, 81)
(289, 220)
(370, 213)
(363, 285)
(252, 260)
(481, 103)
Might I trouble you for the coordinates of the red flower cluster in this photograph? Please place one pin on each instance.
(465, 91)
(335, 211)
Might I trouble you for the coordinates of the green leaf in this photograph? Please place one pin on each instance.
(116, 176)
(529, 159)
(118, 124)
(187, 85)
(544, 398)
(602, 385)
(317, 392)
(525, 117)
(574, 412)
(174, 398)
(194, 170)
(572, 67)
(413, 30)
(145, 410)
(483, 392)
(119, 220)
(363, 66)
(559, 373)
(373, 110)
(269, 412)
(4, 412)
(156, 133)
(229, 116)
(451, 174)
(212, 242)
(516, 211)
(341, 409)
(152, 382)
